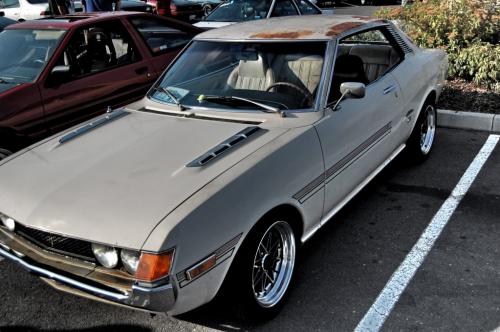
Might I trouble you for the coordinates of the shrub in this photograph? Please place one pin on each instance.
(469, 30)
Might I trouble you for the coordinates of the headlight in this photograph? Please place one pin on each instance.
(8, 222)
(130, 260)
(107, 256)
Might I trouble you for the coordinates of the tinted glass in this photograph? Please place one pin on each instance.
(24, 53)
(240, 10)
(307, 9)
(9, 3)
(159, 35)
(284, 8)
(279, 74)
(98, 48)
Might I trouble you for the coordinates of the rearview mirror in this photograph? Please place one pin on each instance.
(352, 89)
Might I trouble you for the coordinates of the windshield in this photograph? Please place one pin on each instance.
(25, 53)
(282, 75)
(240, 10)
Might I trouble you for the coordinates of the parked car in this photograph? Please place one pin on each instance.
(137, 6)
(4, 21)
(24, 10)
(233, 11)
(249, 143)
(69, 69)
(186, 10)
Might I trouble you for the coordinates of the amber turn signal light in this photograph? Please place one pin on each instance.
(154, 266)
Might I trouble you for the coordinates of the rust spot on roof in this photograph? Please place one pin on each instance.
(342, 27)
(282, 34)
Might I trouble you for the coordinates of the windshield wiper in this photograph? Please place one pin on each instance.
(172, 96)
(264, 107)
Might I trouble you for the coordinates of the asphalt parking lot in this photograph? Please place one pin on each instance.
(345, 266)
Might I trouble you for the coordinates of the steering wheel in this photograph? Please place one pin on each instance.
(307, 95)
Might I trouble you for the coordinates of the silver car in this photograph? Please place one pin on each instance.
(253, 138)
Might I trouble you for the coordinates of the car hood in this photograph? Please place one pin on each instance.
(115, 183)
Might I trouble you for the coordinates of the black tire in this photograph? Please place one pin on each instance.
(239, 289)
(421, 141)
(4, 153)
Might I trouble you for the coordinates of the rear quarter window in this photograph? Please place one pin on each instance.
(159, 35)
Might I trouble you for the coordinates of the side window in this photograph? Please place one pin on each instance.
(284, 8)
(159, 36)
(307, 9)
(4, 4)
(97, 48)
(364, 57)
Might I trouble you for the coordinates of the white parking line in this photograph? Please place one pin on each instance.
(383, 305)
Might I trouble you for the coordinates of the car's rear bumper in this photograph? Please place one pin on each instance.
(156, 299)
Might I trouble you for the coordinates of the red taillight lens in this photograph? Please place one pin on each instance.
(173, 9)
(162, 11)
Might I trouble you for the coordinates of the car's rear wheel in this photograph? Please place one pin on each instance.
(264, 270)
(4, 153)
(422, 138)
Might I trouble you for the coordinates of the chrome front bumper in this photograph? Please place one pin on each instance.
(157, 299)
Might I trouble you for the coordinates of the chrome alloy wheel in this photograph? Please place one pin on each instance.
(273, 264)
(428, 129)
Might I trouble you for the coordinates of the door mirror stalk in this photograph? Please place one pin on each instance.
(349, 90)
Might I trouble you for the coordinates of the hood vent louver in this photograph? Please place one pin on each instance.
(110, 116)
(224, 146)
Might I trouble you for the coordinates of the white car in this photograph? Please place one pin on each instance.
(234, 11)
(24, 10)
(253, 138)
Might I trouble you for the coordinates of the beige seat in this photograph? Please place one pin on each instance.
(301, 70)
(251, 75)
(376, 59)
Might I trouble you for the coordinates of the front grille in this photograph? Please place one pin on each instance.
(57, 243)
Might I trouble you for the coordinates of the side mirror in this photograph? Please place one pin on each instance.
(58, 75)
(2, 14)
(353, 89)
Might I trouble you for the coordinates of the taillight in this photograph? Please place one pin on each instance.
(162, 11)
(173, 9)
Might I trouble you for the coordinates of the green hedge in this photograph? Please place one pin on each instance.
(469, 30)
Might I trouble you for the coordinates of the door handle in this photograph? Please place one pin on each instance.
(389, 89)
(141, 70)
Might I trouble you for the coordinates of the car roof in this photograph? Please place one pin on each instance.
(304, 27)
(72, 20)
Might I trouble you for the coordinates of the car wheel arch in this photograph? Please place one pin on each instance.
(430, 97)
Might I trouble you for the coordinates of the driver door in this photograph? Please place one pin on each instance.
(361, 133)
(105, 69)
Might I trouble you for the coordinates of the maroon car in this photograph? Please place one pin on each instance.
(57, 72)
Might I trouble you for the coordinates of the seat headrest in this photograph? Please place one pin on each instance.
(350, 67)
(379, 54)
(253, 68)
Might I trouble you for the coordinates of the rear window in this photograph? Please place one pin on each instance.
(159, 35)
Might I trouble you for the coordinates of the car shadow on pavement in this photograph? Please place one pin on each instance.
(104, 328)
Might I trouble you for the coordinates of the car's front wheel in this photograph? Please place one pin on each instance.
(422, 139)
(264, 270)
